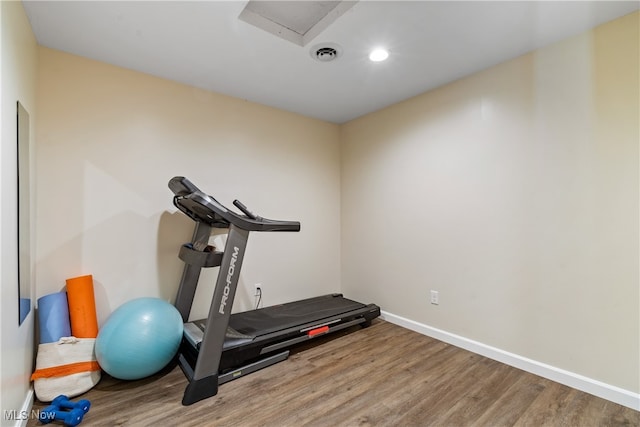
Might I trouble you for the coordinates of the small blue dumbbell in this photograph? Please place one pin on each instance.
(63, 402)
(63, 409)
(69, 418)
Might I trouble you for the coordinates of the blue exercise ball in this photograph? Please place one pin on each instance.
(139, 338)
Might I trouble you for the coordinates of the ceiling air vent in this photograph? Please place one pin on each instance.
(296, 21)
(325, 52)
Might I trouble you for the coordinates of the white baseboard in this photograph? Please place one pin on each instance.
(597, 388)
(22, 417)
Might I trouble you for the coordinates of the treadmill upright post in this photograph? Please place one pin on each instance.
(205, 375)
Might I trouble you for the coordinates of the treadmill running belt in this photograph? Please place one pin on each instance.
(271, 319)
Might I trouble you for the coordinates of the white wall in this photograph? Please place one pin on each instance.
(109, 140)
(514, 193)
(18, 83)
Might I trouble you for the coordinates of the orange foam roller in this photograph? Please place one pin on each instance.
(82, 307)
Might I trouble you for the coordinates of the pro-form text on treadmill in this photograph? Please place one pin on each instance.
(227, 287)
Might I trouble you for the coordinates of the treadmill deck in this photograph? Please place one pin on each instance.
(246, 326)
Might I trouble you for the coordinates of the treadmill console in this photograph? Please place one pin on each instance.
(204, 208)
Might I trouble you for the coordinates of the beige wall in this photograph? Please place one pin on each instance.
(514, 193)
(18, 83)
(110, 139)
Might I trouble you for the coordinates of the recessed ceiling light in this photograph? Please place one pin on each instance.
(378, 55)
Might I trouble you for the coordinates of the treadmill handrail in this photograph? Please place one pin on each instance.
(202, 207)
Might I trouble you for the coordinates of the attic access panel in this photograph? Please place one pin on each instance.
(296, 21)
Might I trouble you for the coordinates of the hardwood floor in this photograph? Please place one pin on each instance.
(384, 375)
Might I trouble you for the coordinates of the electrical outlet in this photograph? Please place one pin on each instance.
(257, 291)
(435, 298)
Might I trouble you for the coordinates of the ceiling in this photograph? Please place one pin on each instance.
(204, 44)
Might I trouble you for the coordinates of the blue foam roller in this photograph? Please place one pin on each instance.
(53, 317)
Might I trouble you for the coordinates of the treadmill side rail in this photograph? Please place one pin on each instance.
(252, 367)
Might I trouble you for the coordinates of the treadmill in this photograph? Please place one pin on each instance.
(226, 346)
